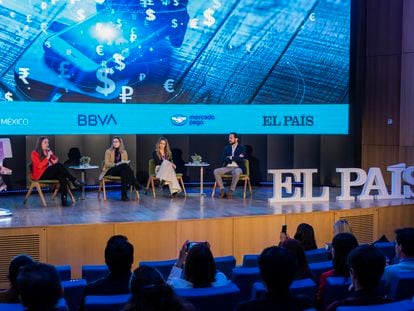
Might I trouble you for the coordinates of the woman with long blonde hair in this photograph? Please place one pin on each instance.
(164, 167)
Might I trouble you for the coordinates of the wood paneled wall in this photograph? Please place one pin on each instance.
(386, 61)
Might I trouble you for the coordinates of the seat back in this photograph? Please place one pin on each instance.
(91, 273)
(387, 248)
(61, 306)
(317, 255)
(318, 268)
(250, 260)
(247, 165)
(244, 278)
(403, 305)
(151, 167)
(336, 288)
(221, 298)
(225, 264)
(402, 285)
(306, 287)
(106, 303)
(163, 266)
(73, 293)
(65, 272)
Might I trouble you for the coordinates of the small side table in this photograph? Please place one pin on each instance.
(201, 165)
(83, 169)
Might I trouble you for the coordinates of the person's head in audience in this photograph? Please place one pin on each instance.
(39, 287)
(341, 226)
(278, 268)
(149, 291)
(306, 236)
(297, 250)
(404, 247)
(366, 264)
(342, 245)
(16, 264)
(119, 254)
(200, 267)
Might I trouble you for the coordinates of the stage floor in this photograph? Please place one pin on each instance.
(163, 208)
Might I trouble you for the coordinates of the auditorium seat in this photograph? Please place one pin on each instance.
(221, 298)
(244, 278)
(318, 268)
(403, 305)
(305, 287)
(73, 293)
(163, 266)
(65, 272)
(225, 264)
(250, 260)
(387, 248)
(402, 285)
(91, 273)
(317, 255)
(336, 288)
(105, 303)
(61, 306)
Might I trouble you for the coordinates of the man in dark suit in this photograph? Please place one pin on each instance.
(233, 162)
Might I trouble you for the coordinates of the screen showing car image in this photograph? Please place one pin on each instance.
(174, 66)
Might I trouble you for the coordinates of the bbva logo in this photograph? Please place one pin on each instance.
(96, 119)
(178, 120)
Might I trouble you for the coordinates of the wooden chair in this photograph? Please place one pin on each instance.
(38, 184)
(152, 177)
(115, 179)
(243, 177)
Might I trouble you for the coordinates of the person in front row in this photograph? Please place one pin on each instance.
(117, 164)
(164, 167)
(45, 165)
(233, 162)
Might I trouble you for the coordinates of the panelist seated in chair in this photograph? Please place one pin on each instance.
(164, 167)
(233, 162)
(45, 166)
(117, 164)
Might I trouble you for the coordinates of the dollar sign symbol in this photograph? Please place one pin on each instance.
(81, 14)
(174, 23)
(8, 96)
(150, 15)
(109, 85)
(118, 59)
(119, 23)
(209, 19)
(176, 2)
(62, 70)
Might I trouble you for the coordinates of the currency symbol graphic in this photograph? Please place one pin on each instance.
(109, 85)
(48, 44)
(126, 93)
(62, 70)
(28, 18)
(43, 27)
(150, 15)
(146, 3)
(118, 59)
(217, 4)
(142, 76)
(81, 14)
(312, 17)
(43, 5)
(119, 23)
(165, 2)
(209, 20)
(8, 96)
(133, 35)
(176, 2)
(99, 50)
(23, 74)
(174, 23)
(169, 85)
(194, 23)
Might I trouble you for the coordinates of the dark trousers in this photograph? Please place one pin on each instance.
(126, 174)
(59, 172)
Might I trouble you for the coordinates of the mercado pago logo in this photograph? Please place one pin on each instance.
(192, 120)
(402, 181)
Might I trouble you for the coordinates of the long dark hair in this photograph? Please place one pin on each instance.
(342, 244)
(200, 268)
(306, 236)
(38, 147)
(296, 248)
(150, 292)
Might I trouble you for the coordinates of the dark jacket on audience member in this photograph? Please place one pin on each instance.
(361, 298)
(282, 302)
(239, 156)
(112, 284)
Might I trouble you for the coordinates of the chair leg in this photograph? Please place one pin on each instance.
(55, 191)
(152, 186)
(99, 189)
(250, 187)
(42, 197)
(131, 189)
(245, 187)
(148, 185)
(104, 189)
(214, 189)
(182, 185)
(29, 192)
(71, 195)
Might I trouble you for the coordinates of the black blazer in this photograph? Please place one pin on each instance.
(239, 156)
(157, 160)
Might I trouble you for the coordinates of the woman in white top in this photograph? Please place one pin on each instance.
(195, 268)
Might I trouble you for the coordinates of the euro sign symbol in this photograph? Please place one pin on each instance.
(109, 85)
(174, 23)
(169, 85)
(209, 20)
(99, 50)
(150, 15)
(23, 74)
(118, 59)
(62, 70)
